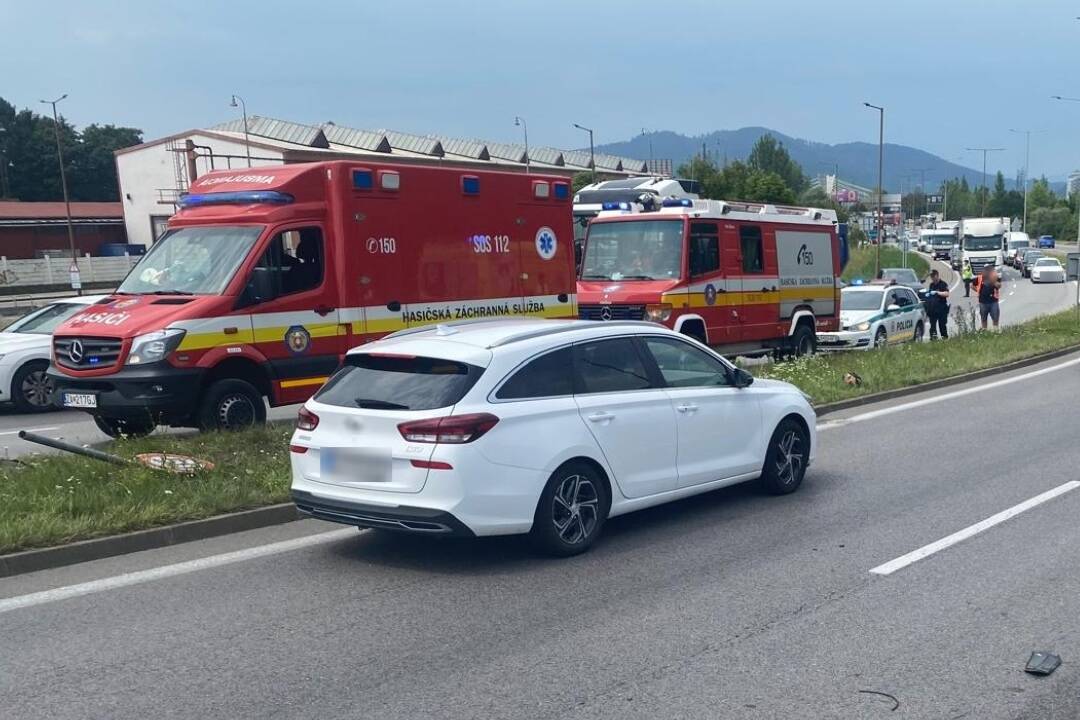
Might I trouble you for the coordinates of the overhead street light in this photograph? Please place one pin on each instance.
(63, 185)
(985, 152)
(243, 106)
(592, 154)
(880, 171)
(520, 122)
(1027, 162)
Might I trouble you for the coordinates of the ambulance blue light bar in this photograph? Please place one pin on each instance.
(678, 202)
(615, 206)
(562, 191)
(238, 197)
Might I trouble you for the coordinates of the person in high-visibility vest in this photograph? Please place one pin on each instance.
(967, 275)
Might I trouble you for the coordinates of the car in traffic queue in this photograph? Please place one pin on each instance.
(25, 347)
(876, 315)
(545, 427)
(1030, 258)
(901, 276)
(1047, 269)
(1046, 241)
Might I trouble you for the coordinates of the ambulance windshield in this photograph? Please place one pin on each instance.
(633, 250)
(191, 261)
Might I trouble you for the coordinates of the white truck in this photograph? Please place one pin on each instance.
(938, 241)
(982, 242)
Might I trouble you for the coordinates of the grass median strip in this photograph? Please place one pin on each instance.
(822, 376)
(53, 499)
(862, 262)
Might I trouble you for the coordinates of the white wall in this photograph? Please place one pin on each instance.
(144, 171)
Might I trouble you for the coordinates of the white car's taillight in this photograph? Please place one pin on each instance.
(306, 420)
(456, 429)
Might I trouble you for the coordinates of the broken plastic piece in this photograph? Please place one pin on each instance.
(1042, 663)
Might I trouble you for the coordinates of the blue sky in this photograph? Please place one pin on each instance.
(951, 73)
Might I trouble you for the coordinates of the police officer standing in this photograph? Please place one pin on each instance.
(937, 306)
(968, 275)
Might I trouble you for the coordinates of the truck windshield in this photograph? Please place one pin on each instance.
(633, 250)
(982, 242)
(191, 261)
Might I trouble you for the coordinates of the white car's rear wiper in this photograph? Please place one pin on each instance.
(378, 404)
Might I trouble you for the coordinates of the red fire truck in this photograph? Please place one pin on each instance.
(266, 277)
(742, 277)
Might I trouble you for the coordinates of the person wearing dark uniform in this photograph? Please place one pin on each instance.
(937, 306)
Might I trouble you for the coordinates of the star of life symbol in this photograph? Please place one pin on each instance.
(546, 244)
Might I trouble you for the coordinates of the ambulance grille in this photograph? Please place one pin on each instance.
(614, 312)
(90, 354)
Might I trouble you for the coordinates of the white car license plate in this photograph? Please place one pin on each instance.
(366, 465)
(823, 337)
(80, 400)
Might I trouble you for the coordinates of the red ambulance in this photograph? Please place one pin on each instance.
(267, 276)
(742, 277)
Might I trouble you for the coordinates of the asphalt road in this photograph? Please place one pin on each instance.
(729, 605)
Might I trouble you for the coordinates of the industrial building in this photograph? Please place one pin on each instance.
(36, 229)
(153, 175)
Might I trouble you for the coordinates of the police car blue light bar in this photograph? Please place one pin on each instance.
(678, 202)
(238, 197)
(616, 206)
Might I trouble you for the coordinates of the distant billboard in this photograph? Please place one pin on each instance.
(844, 195)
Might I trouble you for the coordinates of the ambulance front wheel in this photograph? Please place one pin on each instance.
(231, 404)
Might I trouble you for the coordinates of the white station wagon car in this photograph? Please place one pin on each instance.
(25, 349)
(876, 315)
(545, 427)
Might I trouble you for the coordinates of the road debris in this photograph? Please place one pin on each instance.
(1042, 663)
(896, 703)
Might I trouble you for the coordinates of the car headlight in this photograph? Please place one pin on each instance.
(154, 346)
(658, 313)
(862, 327)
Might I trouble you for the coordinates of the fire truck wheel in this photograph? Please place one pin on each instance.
(123, 427)
(231, 405)
(803, 341)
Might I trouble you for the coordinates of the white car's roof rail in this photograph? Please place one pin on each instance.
(555, 329)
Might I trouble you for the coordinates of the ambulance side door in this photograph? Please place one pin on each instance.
(292, 299)
(708, 286)
(760, 307)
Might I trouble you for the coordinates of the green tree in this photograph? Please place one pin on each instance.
(768, 187)
(580, 180)
(1040, 195)
(769, 155)
(31, 170)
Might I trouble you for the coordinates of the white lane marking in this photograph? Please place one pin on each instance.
(40, 429)
(829, 424)
(927, 550)
(166, 571)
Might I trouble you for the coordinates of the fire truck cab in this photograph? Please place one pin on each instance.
(266, 277)
(745, 278)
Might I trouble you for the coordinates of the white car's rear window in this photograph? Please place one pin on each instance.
(398, 382)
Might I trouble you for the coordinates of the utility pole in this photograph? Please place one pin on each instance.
(76, 283)
(986, 190)
(592, 154)
(1027, 170)
(652, 163)
(880, 173)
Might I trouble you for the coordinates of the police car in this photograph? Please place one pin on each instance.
(875, 315)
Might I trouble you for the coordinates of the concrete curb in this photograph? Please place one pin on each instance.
(98, 548)
(944, 382)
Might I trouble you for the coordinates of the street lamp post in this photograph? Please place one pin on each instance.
(67, 202)
(1072, 99)
(243, 109)
(986, 190)
(652, 165)
(880, 171)
(1027, 162)
(592, 154)
(520, 122)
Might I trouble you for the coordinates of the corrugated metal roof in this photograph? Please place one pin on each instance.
(549, 156)
(351, 137)
(577, 158)
(283, 130)
(634, 165)
(466, 148)
(414, 143)
(608, 162)
(507, 151)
